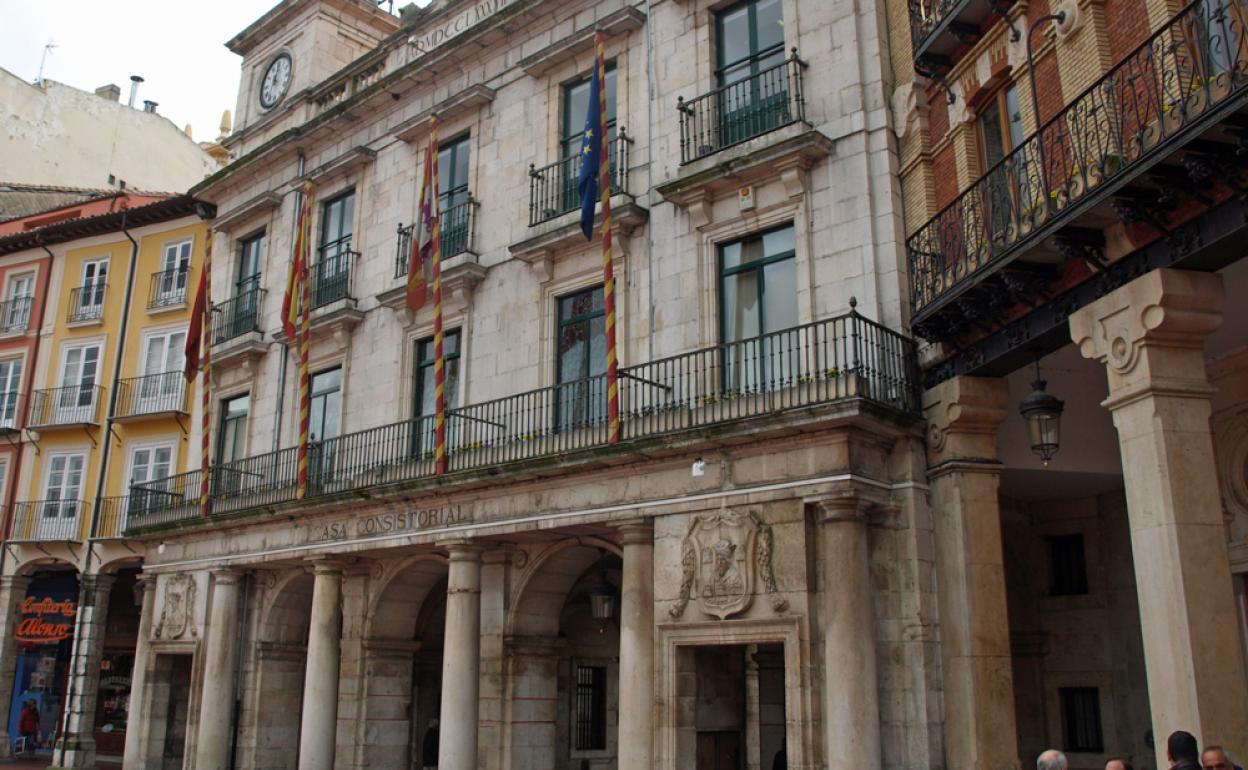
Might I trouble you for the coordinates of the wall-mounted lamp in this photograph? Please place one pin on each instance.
(699, 468)
(602, 598)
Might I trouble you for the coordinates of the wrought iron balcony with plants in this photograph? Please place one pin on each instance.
(457, 224)
(839, 359)
(151, 394)
(44, 520)
(553, 188)
(15, 315)
(86, 303)
(238, 315)
(739, 111)
(1179, 85)
(70, 405)
(331, 275)
(168, 288)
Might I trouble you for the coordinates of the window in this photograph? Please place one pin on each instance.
(591, 708)
(90, 302)
(426, 391)
(10, 389)
(162, 385)
(1000, 126)
(16, 315)
(754, 94)
(250, 260)
(582, 360)
(1081, 720)
(326, 404)
(572, 133)
(170, 284)
(1069, 565)
(453, 199)
(150, 463)
(75, 399)
(333, 269)
(233, 434)
(758, 296)
(62, 490)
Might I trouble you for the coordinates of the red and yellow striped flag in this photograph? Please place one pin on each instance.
(608, 270)
(297, 322)
(298, 264)
(439, 359)
(203, 309)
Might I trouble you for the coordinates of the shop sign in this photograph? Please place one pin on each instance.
(46, 620)
(455, 26)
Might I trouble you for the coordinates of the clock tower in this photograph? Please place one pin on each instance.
(291, 49)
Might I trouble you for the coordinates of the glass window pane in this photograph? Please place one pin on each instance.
(1015, 116)
(779, 300)
(741, 306)
(990, 133)
(770, 24)
(778, 242)
(734, 36)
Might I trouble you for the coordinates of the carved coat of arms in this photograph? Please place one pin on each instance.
(177, 615)
(722, 558)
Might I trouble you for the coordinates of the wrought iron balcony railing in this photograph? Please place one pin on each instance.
(10, 411)
(151, 394)
(740, 111)
(457, 235)
(331, 275)
(238, 315)
(1188, 76)
(70, 405)
(15, 315)
(168, 288)
(38, 520)
(553, 188)
(840, 358)
(86, 303)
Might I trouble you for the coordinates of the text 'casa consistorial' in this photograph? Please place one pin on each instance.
(390, 523)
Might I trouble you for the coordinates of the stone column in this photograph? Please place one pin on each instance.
(851, 689)
(12, 592)
(318, 728)
(495, 569)
(75, 746)
(1150, 335)
(963, 416)
(461, 660)
(636, 726)
(138, 717)
(216, 706)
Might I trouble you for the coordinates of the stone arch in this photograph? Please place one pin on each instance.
(543, 589)
(283, 615)
(115, 565)
(27, 563)
(401, 593)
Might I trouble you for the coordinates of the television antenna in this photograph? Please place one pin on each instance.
(47, 48)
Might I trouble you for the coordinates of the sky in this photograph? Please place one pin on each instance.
(177, 47)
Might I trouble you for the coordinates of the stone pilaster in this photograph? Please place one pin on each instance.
(216, 706)
(319, 718)
(1150, 335)
(495, 566)
(75, 746)
(12, 592)
(636, 724)
(851, 689)
(461, 660)
(139, 716)
(963, 416)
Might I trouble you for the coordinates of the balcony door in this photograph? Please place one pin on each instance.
(324, 424)
(582, 349)
(147, 464)
(175, 260)
(75, 398)
(94, 283)
(572, 134)
(62, 493)
(16, 315)
(753, 89)
(10, 389)
(160, 389)
(453, 167)
(424, 436)
(332, 270)
(758, 295)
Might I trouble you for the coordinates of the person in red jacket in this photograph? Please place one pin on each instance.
(28, 726)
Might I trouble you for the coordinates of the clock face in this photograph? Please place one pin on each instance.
(276, 79)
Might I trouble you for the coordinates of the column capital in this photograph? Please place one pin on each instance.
(14, 582)
(1165, 311)
(963, 415)
(227, 576)
(462, 550)
(327, 565)
(639, 532)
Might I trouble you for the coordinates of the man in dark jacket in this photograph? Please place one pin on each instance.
(1182, 751)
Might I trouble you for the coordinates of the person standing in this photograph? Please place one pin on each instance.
(1052, 760)
(429, 747)
(1216, 758)
(28, 726)
(1118, 763)
(1182, 751)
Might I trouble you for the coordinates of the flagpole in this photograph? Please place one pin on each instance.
(303, 338)
(439, 359)
(205, 341)
(608, 269)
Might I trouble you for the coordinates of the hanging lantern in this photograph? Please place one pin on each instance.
(602, 598)
(1043, 413)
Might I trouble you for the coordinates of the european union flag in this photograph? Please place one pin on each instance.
(591, 155)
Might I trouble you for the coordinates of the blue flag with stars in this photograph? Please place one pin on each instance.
(591, 157)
